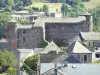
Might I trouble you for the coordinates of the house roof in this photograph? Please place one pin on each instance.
(29, 26)
(73, 69)
(3, 40)
(42, 21)
(51, 72)
(25, 50)
(90, 35)
(51, 47)
(37, 50)
(66, 59)
(77, 47)
(72, 59)
(24, 53)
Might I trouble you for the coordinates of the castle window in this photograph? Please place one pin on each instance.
(89, 43)
(24, 31)
(23, 39)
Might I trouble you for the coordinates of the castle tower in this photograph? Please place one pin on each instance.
(88, 20)
(11, 32)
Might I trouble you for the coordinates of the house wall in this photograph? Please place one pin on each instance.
(29, 38)
(89, 57)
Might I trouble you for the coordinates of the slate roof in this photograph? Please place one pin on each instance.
(77, 47)
(51, 72)
(51, 47)
(29, 26)
(90, 35)
(72, 59)
(42, 21)
(66, 59)
(37, 50)
(24, 53)
(80, 69)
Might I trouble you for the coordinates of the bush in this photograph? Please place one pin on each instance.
(24, 22)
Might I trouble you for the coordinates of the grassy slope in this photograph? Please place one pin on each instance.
(3, 74)
(52, 6)
(92, 4)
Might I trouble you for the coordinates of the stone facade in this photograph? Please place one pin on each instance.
(24, 37)
(29, 38)
(63, 32)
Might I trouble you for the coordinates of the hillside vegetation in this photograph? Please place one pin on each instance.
(51, 6)
(92, 4)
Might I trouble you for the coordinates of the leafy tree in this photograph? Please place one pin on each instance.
(43, 44)
(96, 18)
(45, 8)
(4, 17)
(31, 62)
(10, 3)
(19, 5)
(7, 58)
(27, 2)
(62, 1)
(2, 4)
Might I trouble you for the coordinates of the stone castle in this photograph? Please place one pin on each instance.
(62, 31)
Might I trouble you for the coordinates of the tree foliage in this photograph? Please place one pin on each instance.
(7, 58)
(68, 10)
(96, 18)
(31, 62)
(43, 44)
(45, 8)
(4, 17)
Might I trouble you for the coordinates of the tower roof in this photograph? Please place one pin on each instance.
(85, 14)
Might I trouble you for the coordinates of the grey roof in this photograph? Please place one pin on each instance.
(65, 58)
(24, 26)
(60, 58)
(77, 47)
(24, 53)
(42, 21)
(85, 13)
(3, 40)
(51, 47)
(73, 69)
(90, 35)
(51, 72)
(72, 59)
(37, 50)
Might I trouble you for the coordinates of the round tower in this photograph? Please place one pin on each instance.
(88, 20)
(11, 31)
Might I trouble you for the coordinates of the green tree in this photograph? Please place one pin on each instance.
(43, 44)
(2, 4)
(4, 17)
(7, 58)
(19, 5)
(45, 8)
(31, 62)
